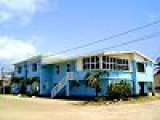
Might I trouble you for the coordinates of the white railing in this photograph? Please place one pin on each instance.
(60, 85)
(70, 76)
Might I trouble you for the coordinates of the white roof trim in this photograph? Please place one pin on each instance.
(51, 59)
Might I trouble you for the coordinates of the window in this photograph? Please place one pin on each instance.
(91, 63)
(140, 67)
(86, 64)
(113, 63)
(34, 67)
(57, 69)
(68, 67)
(19, 70)
(106, 64)
(122, 64)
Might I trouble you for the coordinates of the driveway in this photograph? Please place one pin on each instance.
(16, 108)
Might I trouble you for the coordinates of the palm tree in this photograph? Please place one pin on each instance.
(93, 79)
(157, 66)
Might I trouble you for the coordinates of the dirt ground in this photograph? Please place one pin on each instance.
(17, 108)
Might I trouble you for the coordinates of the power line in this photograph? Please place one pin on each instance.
(146, 37)
(111, 37)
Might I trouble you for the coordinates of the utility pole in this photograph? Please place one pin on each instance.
(2, 77)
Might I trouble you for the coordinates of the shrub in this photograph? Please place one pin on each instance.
(22, 85)
(121, 90)
(16, 80)
(29, 81)
(35, 85)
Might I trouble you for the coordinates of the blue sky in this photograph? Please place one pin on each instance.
(34, 27)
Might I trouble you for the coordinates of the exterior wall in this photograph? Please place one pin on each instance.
(46, 76)
(84, 90)
(22, 74)
(63, 70)
(29, 69)
(27, 66)
(132, 75)
(49, 78)
(145, 77)
(27, 72)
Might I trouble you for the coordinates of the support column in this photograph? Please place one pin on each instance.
(153, 89)
(134, 78)
(135, 88)
(67, 88)
(100, 63)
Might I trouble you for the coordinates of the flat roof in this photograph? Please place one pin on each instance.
(104, 53)
(51, 58)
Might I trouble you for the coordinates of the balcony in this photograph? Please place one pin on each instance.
(80, 75)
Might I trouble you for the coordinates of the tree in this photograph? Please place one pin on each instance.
(93, 79)
(22, 85)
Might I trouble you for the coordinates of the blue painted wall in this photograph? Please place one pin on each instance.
(28, 66)
(49, 77)
(63, 70)
(46, 76)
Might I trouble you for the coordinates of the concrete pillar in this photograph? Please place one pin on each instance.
(153, 89)
(100, 62)
(135, 88)
(67, 88)
(134, 77)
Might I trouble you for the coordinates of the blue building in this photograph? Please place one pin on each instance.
(60, 75)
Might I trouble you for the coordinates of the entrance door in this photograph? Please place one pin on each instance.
(141, 88)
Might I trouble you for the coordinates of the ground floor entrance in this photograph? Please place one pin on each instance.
(142, 90)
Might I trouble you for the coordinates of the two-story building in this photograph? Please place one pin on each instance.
(60, 75)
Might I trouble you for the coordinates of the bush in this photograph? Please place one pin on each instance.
(35, 85)
(121, 90)
(29, 81)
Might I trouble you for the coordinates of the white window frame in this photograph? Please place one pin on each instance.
(91, 63)
(113, 64)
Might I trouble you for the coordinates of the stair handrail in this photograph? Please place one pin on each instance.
(58, 87)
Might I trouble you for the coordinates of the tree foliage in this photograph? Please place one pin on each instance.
(120, 90)
(93, 79)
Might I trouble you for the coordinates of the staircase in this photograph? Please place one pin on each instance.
(60, 85)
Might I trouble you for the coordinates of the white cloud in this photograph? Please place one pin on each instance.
(13, 9)
(15, 50)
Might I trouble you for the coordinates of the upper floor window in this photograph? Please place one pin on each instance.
(68, 67)
(91, 63)
(19, 70)
(34, 67)
(122, 64)
(140, 67)
(113, 63)
(57, 69)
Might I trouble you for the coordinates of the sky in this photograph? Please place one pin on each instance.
(32, 27)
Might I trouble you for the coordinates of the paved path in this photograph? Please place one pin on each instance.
(15, 108)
